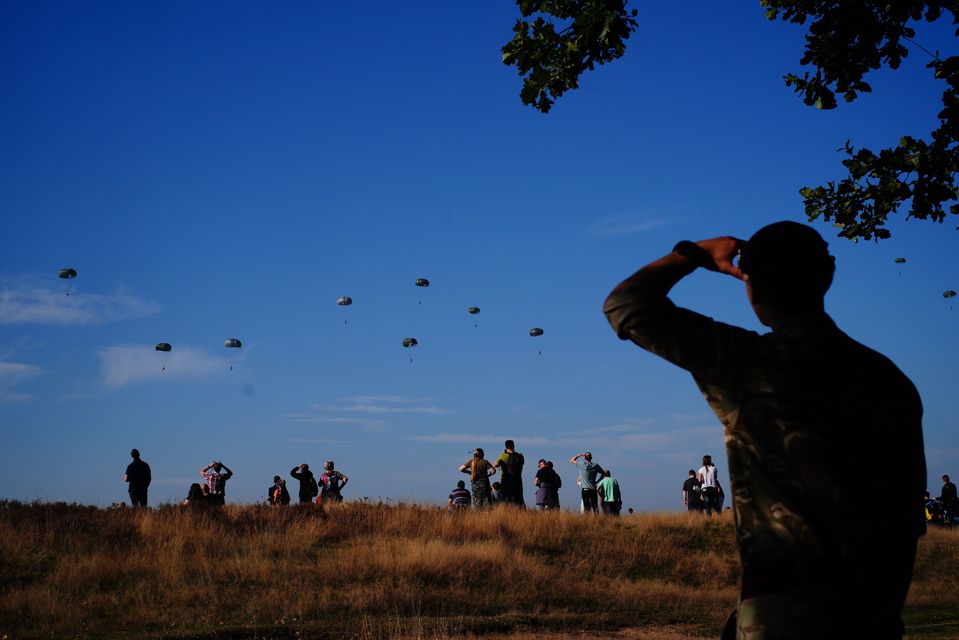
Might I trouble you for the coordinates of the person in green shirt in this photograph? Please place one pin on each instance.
(609, 497)
(510, 463)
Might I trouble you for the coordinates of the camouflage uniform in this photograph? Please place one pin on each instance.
(803, 408)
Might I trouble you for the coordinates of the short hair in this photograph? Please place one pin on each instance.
(135, 454)
(692, 472)
(788, 265)
(945, 477)
(607, 473)
(460, 484)
(510, 444)
(588, 455)
(277, 478)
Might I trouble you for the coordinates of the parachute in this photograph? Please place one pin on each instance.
(410, 342)
(165, 347)
(900, 261)
(232, 343)
(535, 331)
(422, 282)
(949, 294)
(67, 274)
(344, 301)
(473, 310)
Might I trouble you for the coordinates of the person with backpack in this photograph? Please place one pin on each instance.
(691, 493)
(589, 472)
(459, 497)
(479, 470)
(331, 483)
(277, 493)
(308, 485)
(510, 463)
(547, 486)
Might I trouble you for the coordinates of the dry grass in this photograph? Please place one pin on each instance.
(371, 571)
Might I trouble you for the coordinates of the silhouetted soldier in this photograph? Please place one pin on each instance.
(138, 477)
(798, 404)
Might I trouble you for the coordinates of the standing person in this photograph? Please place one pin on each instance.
(138, 477)
(609, 496)
(589, 474)
(216, 475)
(479, 470)
(547, 487)
(797, 405)
(949, 499)
(459, 497)
(331, 483)
(559, 481)
(277, 493)
(691, 493)
(308, 486)
(510, 463)
(709, 486)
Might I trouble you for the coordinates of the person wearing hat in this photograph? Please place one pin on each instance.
(547, 486)
(331, 483)
(479, 469)
(138, 478)
(797, 403)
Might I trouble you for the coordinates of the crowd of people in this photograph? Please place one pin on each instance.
(598, 488)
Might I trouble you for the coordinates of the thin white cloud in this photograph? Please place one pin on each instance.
(377, 399)
(126, 364)
(624, 427)
(623, 225)
(375, 408)
(26, 303)
(10, 374)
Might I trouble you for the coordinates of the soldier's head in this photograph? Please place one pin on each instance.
(789, 270)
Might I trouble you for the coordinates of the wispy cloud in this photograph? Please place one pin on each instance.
(624, 225)
(10, 374)
(128, 364)
(376, 408)
(24, 302)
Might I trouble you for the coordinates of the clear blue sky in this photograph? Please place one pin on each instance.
(223, 170)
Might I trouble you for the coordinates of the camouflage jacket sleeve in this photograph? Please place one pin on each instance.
(714, 352)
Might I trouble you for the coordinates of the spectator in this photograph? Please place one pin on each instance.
(497, 493)
(559, 481)
(691, 493)
(609, 496)
(479, 470)
(459, 497)
(709, 484)
(216, 475)
(138, 477)
(331, 483)
(797, 404)
(277, 493)
(510, 463)
(195, 497)
(547, 487)
(308, 486)
(589, 473)
(949, 500)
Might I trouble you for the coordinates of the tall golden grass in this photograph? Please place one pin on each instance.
(369, 571)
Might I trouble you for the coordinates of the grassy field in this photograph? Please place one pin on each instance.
(371, 571)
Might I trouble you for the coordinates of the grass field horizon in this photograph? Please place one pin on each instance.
(365, 570)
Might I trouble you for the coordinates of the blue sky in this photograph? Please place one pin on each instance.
(230, 169)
